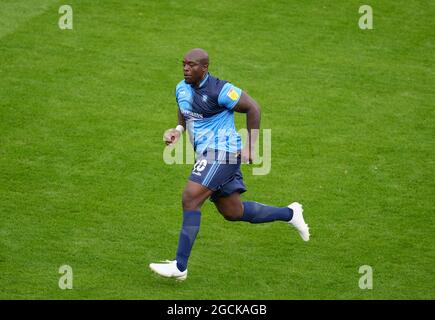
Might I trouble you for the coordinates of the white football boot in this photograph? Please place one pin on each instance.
(298, 221)
(169, 269)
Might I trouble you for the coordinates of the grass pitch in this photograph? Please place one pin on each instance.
(82, 181)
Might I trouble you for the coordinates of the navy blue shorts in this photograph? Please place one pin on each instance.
(218, 171)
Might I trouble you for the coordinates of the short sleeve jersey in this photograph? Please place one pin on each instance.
(209, 114)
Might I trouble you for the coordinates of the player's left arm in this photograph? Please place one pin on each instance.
(248, 105)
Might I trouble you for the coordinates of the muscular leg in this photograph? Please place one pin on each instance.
(230, 207)
(194, 196)
(233, 209)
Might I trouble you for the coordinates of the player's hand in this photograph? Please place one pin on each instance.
(171, 136)
(247, 155)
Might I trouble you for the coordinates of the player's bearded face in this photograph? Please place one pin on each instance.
(193, 71)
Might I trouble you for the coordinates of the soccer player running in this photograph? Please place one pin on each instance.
(206, 105)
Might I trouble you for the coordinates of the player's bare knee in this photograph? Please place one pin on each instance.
(187, 202)
(190, 201)
(230, 215)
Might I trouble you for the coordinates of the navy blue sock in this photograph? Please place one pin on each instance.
(255, 212)
(189, 230)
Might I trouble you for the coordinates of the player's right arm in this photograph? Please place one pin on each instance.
(172, 135)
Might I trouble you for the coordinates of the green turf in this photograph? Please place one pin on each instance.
(82, 181)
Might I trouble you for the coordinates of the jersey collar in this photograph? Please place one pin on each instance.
(203, 81)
